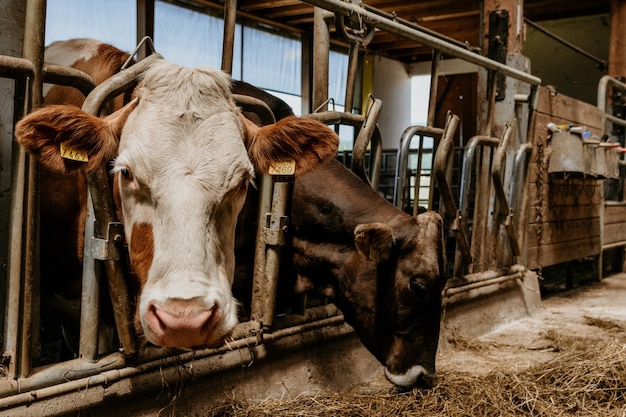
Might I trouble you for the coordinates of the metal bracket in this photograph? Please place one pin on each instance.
(106, 249)
(275, 236)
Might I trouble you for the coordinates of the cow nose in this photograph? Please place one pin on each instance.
(182, 323)
(415, 375)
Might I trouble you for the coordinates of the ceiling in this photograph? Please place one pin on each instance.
(455, 19)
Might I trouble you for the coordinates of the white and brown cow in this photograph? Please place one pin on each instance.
(384, 269)
(183, 157)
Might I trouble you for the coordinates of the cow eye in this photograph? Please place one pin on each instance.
(418, 287)
(126, 173)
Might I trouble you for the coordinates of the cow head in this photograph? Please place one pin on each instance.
(183, 158)
(407, 261)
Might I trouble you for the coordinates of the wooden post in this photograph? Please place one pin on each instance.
(617, 39)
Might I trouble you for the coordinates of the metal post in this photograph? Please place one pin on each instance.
(24, 252)
(407, 32)
(321, 48)
(230, 19)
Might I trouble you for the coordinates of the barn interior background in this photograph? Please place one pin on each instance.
(470, 92)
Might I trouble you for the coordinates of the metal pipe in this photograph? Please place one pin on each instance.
(33, 51)
(468, 164)
(353, 62)
(276, 226)
(445, 149)
(364, 138)
(450, 292)
(402, 164)
(258, 287)
(230, 19)
(104, 208)
(601, 63)
(400, 29)
(90, 295)
(603, 87)
(321, 48)
(413, 25)
(14, 67)
(434, 83)
(18, 68)
(68, 76)
(231, 355)
(504, 208)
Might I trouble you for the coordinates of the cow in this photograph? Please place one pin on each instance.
(383, 268)
(182, 159)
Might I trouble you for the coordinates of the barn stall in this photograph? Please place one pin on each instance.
(517, 206)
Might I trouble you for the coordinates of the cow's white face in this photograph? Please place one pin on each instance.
(183, 172)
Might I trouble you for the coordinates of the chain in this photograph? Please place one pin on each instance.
(539, 206)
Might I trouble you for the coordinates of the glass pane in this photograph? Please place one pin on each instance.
(191, 38)
(111, 21)
(337, 75)
(271, 61)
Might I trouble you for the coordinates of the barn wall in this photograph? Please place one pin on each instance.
(392, 84)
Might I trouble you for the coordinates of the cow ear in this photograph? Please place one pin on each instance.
(374, 241)
(306, 142)
(65, 139)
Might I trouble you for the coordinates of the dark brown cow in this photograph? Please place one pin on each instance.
(385, 267)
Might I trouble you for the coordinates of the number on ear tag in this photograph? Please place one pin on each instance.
(374, 255)
(283, 167)
(73, 154)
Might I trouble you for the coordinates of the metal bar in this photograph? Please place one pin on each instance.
(275, 222)
(446, 148)
(603, 87)
(321, 48)
(364, 138)
(90, 295)
(450, 292)
(230, 19)
(104, 208)
(434, 84)
(376, 158)
(417, 27)
(33, 51)
(503, 205)
(401, 186)
(258, 288)
(468, 164)
(466, 181)
(18, 68)
(353, 62)
(14, 67)
(68, 76)
(232, 355)
(601, 63)
(400, 29)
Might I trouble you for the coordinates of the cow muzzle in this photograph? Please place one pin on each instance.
(416, 375)
(182, 323)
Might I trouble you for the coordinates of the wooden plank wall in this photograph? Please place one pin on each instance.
(564, 215)
(614, 223)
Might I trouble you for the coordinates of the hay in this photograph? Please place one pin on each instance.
(584, 379)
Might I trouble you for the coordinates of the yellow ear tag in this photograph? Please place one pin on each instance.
(287, 167)
(73, 154)
(374, 255)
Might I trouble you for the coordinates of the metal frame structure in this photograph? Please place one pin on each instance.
(491, 165)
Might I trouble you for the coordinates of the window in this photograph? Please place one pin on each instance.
(111, 21)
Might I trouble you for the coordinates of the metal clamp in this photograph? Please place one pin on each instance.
(106, 249)
(276, 235)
